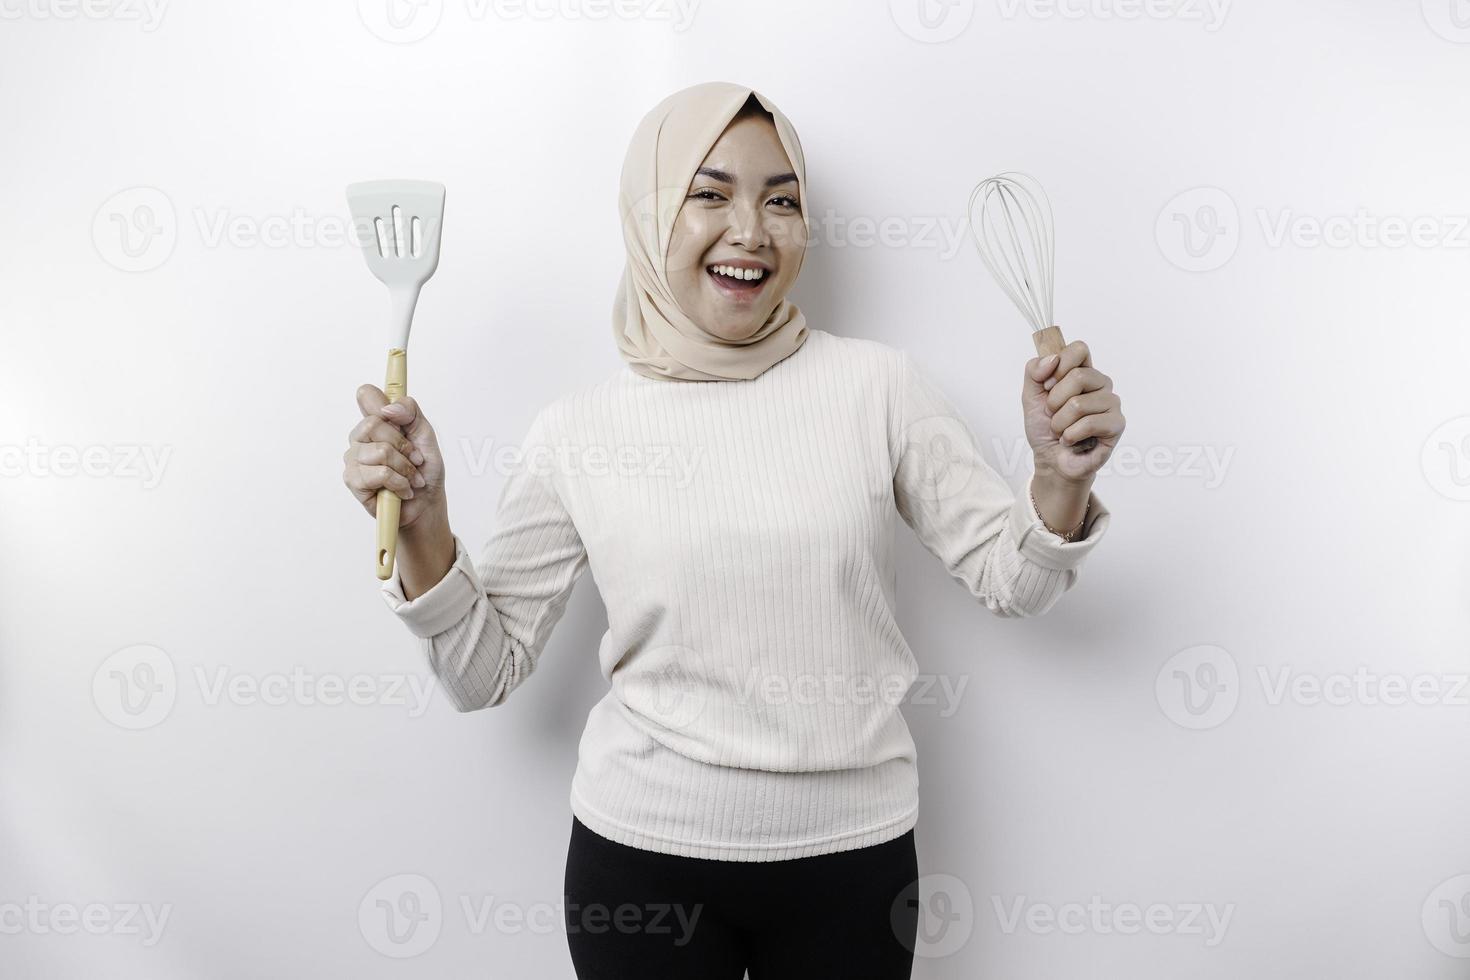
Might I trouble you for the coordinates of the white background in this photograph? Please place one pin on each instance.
(176, 288)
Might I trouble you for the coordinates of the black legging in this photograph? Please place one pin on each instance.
(632, 913)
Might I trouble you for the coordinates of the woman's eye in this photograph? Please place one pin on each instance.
(706, 194)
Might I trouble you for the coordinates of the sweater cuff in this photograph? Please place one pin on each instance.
(1040, 546)
(443, 605)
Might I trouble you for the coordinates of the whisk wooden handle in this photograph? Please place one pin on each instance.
(395, 387)
(1049, 341)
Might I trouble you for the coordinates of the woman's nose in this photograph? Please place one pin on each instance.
(746, 226)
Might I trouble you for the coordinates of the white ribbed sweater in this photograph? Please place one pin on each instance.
(741, 536)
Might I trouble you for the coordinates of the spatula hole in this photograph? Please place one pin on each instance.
(382, 236)
(418, 237)
(398, 240)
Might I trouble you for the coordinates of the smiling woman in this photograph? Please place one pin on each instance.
(712, 305)
(738, 241)
(710, 777)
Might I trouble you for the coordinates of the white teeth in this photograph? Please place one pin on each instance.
(734, 273)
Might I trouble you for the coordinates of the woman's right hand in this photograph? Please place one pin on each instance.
(394, 446)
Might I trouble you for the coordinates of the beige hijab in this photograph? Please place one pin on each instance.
(653, 333)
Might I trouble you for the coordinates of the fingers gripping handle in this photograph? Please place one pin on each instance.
(395, 387)
(1048, 342)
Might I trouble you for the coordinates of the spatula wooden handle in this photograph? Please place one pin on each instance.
(395, 387)
(1049, 341)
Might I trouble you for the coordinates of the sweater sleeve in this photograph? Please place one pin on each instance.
(484, 625)
(990, 539)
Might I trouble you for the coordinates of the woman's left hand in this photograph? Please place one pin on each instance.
(1065, 400)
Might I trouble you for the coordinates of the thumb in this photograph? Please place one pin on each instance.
(1038, 369)
(406, 414)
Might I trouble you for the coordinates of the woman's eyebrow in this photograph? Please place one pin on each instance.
(726, 178)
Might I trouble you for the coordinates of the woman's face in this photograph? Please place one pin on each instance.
(742, 210)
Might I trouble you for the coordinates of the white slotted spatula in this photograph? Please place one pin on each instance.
(398, 224)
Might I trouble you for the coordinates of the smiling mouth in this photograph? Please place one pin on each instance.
(737, 282)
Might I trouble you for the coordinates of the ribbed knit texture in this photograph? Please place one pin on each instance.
(741, 535)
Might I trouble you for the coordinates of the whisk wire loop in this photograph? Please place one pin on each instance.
(1013, 234)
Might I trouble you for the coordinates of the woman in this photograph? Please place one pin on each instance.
(746, 793)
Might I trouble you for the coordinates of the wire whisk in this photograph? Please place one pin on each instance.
(1015, 241)
(1013, 234)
